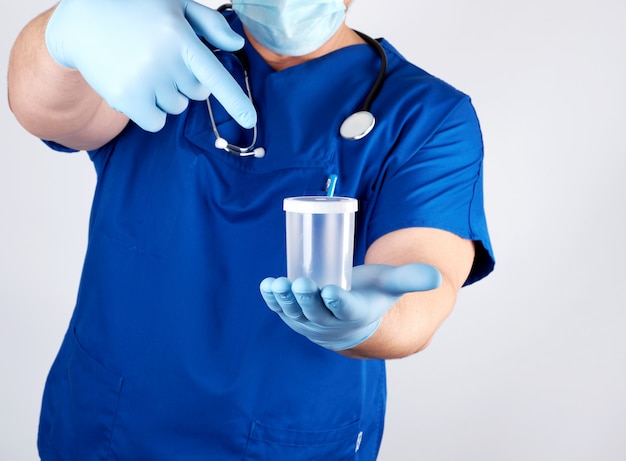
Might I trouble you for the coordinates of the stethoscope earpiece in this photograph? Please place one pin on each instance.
(221, 143)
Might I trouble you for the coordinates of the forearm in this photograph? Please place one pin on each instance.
(54, 102)
(409, 326)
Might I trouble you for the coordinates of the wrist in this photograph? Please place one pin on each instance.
(352, 341)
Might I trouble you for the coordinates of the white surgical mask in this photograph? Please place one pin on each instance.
(291, 27)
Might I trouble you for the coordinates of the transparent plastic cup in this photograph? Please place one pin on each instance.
(320, 239)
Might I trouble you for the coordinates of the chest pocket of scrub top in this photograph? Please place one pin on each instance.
(285, 131)
(270, 443)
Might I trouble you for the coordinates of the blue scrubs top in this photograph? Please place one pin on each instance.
(171, 354)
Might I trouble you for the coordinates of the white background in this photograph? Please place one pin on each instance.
(532, 363)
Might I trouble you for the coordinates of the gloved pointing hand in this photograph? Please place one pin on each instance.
(338, 319)
(144, 57)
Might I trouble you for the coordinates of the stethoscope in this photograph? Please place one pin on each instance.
(355, 126)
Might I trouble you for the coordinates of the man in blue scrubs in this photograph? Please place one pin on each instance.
(173, 352)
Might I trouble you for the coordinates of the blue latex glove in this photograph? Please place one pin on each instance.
(144, 57)
(338, 319)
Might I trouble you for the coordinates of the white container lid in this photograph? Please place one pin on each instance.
(321, 204)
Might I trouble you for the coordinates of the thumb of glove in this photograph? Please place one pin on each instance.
(399, 280)
(376, 288)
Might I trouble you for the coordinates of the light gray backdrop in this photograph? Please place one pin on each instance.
(532, 363)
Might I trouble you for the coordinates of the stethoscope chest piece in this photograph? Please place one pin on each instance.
(357, 125)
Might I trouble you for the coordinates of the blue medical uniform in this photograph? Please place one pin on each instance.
(171, 353)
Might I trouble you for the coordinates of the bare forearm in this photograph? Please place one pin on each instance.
(409, 326)
(53, 102)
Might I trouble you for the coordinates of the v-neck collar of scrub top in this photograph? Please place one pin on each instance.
(300, 109)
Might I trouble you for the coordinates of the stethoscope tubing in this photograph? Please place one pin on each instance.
(356, 126)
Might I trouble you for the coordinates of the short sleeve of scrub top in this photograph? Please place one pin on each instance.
(440, 186)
